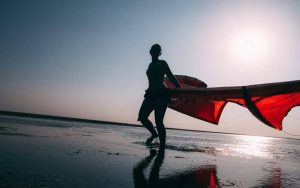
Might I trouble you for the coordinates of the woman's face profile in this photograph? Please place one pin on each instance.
(155, 50)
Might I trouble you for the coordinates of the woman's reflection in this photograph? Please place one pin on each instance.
(203, 176)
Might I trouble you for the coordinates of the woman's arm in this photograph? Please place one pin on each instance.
(171, 77)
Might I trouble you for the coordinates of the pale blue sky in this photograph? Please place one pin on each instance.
(88, 59)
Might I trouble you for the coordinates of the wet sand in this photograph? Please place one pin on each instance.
(45, 153)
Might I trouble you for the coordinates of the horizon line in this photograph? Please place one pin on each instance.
(64, 118)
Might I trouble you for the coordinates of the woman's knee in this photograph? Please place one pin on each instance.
(143, 119)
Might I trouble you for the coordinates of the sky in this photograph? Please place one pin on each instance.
(88, 59)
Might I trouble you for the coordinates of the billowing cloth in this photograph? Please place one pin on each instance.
(270, 103)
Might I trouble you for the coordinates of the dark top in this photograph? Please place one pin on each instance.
(156, 73)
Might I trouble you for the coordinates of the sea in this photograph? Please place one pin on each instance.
(38, 152)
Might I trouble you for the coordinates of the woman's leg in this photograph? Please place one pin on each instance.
(160, 110)
(145, 110)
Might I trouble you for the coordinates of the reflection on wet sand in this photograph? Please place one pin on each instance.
(203, 176)
(274, 179)
(250, 146)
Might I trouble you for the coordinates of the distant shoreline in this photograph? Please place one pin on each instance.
(62, 118)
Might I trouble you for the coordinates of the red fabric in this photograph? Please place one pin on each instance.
(275, 108)
(270, 103)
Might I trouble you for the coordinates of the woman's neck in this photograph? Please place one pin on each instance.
(154, 59)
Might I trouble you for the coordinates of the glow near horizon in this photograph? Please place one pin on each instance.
(89, 59)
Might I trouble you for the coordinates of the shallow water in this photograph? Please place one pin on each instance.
(51, 153)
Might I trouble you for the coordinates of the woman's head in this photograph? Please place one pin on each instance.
(155, 50)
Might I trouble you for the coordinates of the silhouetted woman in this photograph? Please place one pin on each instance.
(156, 96)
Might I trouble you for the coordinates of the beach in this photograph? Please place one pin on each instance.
(37, 152)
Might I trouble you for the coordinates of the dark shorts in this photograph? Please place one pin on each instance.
(157, 94)
(157, 101)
